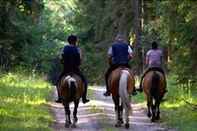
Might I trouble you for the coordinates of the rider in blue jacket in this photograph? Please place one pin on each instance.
(119, 54)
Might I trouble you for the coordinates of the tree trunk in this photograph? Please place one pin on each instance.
(137, 31)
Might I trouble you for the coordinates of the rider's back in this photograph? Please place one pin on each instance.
(71, 56)
(154, 57)
(120, 53)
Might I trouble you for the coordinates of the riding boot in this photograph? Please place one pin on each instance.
(134, 91)
(84, 96)
(107, 93)
(59, 99)
(165, 89)
(140, 87)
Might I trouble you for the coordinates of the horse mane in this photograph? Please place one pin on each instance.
(154, 90)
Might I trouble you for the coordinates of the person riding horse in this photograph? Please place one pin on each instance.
(119, 54)
(71, 61)
(154, 62)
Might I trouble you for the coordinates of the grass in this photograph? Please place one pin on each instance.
(23, 101)
(177, 113)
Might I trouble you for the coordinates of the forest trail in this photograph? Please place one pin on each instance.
(98, 115)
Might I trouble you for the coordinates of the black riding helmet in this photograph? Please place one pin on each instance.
(72, 39)
(154, 45)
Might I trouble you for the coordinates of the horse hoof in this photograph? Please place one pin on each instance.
(157, 118)
(149, 115)
(127, 125)
(153, 120)
(121, 121)
(73, 126)
(118, 125)
(67, 125)
(75, 120)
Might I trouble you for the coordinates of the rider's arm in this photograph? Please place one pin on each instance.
(130, 51)
(161, 58)
(109, 53)
(80, 53)
(147, 57)
(61, 56)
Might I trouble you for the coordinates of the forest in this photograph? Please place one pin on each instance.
(33, 33)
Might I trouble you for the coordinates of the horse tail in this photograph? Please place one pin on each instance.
(123, 93)
(154, 90)
(72, 89)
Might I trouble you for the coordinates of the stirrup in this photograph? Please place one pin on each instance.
(107, 93)
(59, 100)
(134, 93)
(139, 90)
(85, 101)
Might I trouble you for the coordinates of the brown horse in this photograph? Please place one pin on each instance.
(121, 83)
(154, 90)
(71, 89)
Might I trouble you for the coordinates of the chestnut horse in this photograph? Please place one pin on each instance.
(154, 89)
(71, 89)
(121, 83)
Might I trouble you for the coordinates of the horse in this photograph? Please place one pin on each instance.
(121, 82)
(71, 90)
(154, 89)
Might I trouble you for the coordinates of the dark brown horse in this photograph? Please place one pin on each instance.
(71, 89)
(121, 83)
(154, 90)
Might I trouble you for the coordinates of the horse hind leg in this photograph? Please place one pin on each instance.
(117, 111)
(121, 114)
(67, 115)
(153, 109)
(157, 110)
(149, 104)
(127, 110)
(75, 119)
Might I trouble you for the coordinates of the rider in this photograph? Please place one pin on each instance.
(71, 60)
(119, 54)
(154, 62)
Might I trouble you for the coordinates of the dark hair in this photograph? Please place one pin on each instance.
(72, 39)
(154, 45)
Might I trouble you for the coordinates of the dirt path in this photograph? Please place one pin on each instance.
(98, 115)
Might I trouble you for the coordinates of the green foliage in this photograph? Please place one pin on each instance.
(173, 27)
(177, 112)
(23, 102)
(30, 37)
(94, 63)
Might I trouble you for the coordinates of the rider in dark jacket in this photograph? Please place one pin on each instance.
(71, 61)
